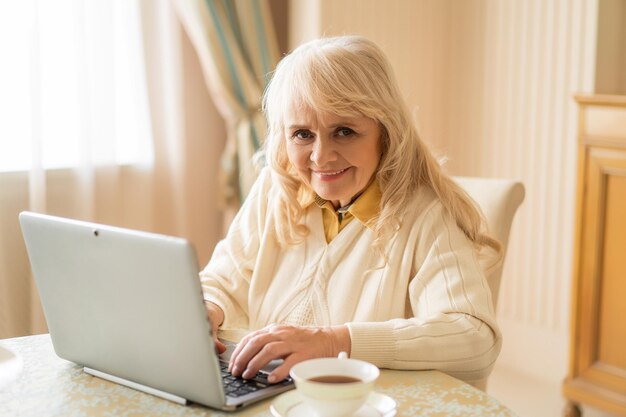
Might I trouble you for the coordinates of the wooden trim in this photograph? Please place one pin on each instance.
(600, 100)
(602, 141)
(589, 393)
(577, 237)
(590, 258)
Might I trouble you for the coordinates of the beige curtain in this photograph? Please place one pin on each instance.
(237, 46)
(74, 100)
(173, 195)
(189, 134)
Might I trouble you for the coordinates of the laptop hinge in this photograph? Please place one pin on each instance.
(134, 385)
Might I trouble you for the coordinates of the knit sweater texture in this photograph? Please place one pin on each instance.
(428, 307)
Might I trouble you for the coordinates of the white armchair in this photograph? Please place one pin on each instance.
(499, 200)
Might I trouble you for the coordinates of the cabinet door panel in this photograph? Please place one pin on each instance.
(603, 268)
(612, 331)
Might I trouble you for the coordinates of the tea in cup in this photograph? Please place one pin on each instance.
(334, 387)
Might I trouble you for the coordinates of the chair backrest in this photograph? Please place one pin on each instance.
(498, 200)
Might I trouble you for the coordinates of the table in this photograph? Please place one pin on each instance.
(51, 386)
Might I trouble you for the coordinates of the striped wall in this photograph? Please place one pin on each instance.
(491, 82)
(535, 55)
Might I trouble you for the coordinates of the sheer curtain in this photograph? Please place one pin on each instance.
(74, 109)
(77, 137)
(73, 85)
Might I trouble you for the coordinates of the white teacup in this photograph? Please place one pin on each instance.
(334, 387)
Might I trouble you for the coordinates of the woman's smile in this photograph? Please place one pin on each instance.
(330, 175)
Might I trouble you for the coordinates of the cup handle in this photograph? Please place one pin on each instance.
(342, 355)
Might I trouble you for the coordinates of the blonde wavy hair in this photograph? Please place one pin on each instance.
(350, 76)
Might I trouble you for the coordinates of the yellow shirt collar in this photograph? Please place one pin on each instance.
(364, 209)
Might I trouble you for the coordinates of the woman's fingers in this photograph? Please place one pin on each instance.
(252, 347)
(216, 317)
(291, 343)
(269, 352)
(239, 348)
(219, 346)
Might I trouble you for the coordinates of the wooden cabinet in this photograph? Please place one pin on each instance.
(597, 367)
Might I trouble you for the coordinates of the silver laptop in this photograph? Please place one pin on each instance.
(127, 305)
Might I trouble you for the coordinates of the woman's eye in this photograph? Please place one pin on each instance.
(344, 131)
(302, 134)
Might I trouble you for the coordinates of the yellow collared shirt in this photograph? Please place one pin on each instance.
(364, 208)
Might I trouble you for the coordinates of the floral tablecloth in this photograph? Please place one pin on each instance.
(50, 386)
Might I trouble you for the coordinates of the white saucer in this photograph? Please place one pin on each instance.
(10, 367)
(290, 404)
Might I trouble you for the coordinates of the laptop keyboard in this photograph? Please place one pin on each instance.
(236, 386)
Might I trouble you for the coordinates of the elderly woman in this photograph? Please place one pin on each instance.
(352, 239)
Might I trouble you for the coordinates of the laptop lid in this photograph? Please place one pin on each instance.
(126, 303)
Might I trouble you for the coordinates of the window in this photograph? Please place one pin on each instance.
(72, 85)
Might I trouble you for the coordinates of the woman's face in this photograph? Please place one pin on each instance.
(335, 156)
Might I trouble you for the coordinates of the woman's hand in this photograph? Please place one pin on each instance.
(291, 343)
(216, 318)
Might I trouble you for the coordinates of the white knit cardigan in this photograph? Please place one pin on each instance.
(428, 307)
